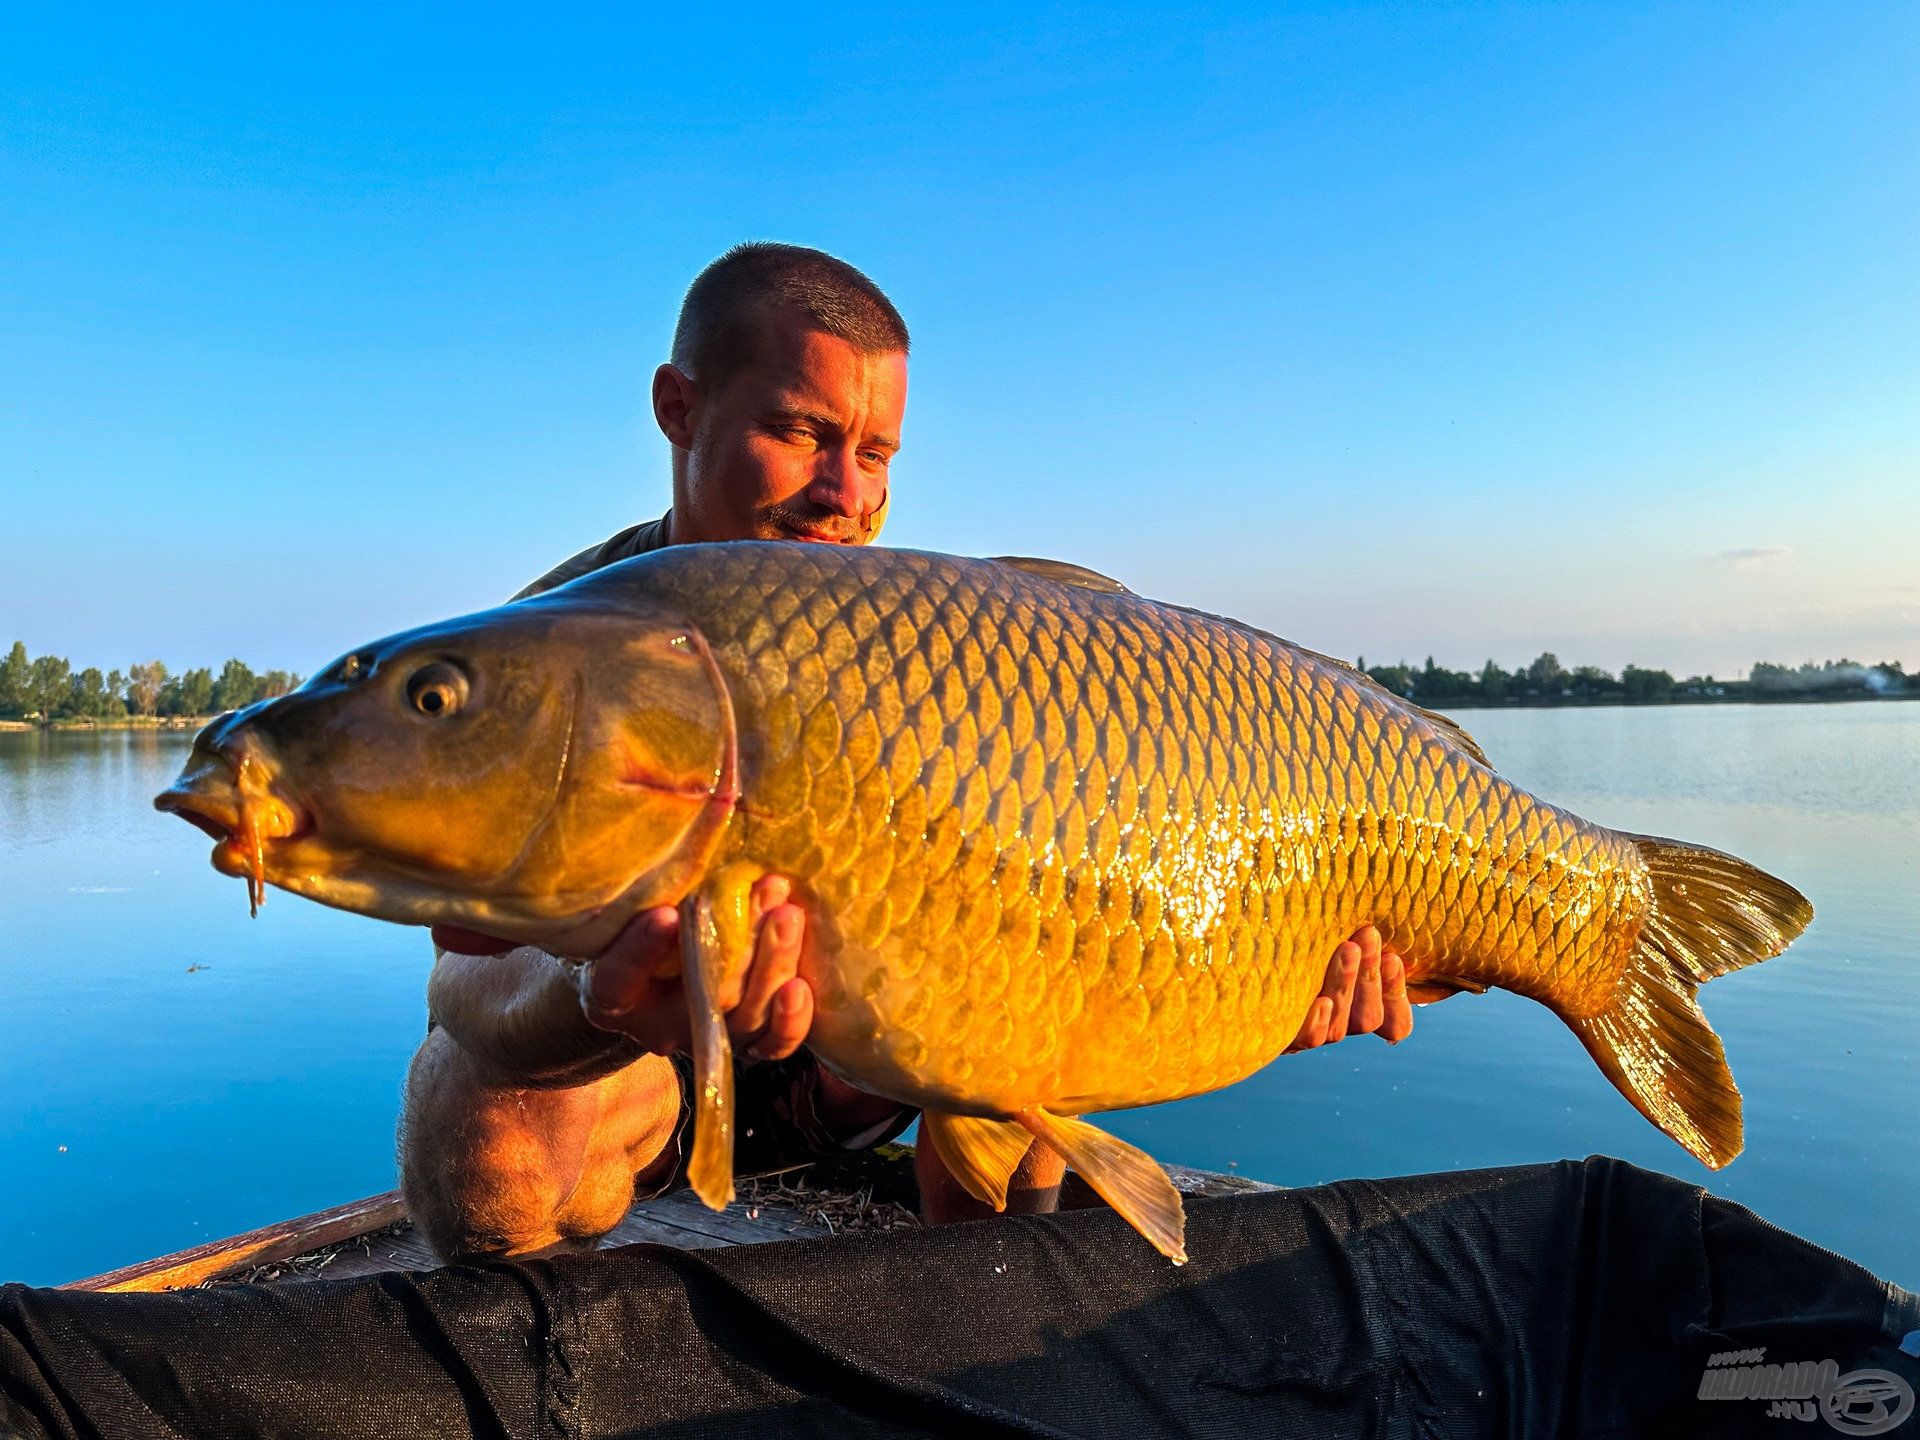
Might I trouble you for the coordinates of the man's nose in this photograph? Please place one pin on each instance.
(842, 486)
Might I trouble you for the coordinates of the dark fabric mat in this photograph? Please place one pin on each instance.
(1581, 1298)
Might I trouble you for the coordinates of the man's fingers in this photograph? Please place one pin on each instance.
(769, 892)
(1397, 1014)
(789, 1018)
(776, 959)
(1346, 963)
(1313, 1030)
(1369, 1011)
(620, 979)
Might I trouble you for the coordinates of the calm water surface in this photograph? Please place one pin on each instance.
(171, 1072)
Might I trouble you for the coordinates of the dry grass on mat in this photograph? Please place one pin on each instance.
(313, 1263)
(838, 1210)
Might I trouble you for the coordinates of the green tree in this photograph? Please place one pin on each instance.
(49, 679)
(1641, 687)
(1493, 684)
(190, 694)
(1397, 678)
(1545, 673)
(1590, 682)
(116, 695)
(277, 682)
(237, 687)
(1436, 683)
(14, 671)
(86, 695)
(144, 686)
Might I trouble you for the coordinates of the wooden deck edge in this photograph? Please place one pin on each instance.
(281, 1241)
(886, 1171)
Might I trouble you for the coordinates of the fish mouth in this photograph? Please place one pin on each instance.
(228, 791)
(215, 814)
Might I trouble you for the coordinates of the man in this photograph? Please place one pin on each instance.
(535, 1109)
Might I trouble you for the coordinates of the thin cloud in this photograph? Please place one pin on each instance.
(1755, 557)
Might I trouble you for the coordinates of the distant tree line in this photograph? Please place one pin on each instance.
(1547, 682)
(48, 688)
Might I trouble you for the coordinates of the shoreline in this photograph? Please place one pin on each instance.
(131, 722)
(1687, 702)
(194, 722)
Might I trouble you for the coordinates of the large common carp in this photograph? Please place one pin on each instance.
(1063, 849)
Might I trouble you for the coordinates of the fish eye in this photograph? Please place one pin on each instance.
(436, 689)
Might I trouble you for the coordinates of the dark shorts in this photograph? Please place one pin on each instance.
(777, 1119)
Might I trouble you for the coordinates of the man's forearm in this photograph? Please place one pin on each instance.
(519, 1014)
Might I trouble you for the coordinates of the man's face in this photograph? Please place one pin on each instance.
(795, 446)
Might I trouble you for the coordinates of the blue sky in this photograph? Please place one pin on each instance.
(1469, 330)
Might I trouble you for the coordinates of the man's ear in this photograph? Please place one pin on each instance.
(676, 406)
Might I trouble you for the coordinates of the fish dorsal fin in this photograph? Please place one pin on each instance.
(1455, 730)
(1127, 1179)
(1062, 573)
(981, 1154)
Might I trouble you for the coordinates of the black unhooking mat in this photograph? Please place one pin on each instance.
(1588, 1298)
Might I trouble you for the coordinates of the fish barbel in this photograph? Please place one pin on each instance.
(1063, 849)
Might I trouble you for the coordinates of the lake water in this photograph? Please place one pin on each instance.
(171, 1072)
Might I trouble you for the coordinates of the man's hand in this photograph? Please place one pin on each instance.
(768, 1015)
(1365, 993)
(767, 1019)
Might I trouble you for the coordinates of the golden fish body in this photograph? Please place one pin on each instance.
(1063, 849)
(1071, 848)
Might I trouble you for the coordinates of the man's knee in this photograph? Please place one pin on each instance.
(488, 1169)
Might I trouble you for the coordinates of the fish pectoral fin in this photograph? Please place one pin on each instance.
(982, 1154)
(716, 945)
(1128, 1179)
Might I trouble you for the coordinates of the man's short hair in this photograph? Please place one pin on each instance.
(728, 301)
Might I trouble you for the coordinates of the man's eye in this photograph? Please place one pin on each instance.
(874, 457)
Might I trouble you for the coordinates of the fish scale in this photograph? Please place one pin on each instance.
(1063, 849)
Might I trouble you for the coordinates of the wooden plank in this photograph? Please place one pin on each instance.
(371, 1236)
(1209, 1182)
(257, 1247)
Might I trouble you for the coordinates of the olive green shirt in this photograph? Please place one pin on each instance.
(632, 541)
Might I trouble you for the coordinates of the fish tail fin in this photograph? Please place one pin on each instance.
(1712, 914)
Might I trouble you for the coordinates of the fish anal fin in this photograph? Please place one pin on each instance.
(1128, 1179)
(1429, 988)
(716, 945)
(981, 1154)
